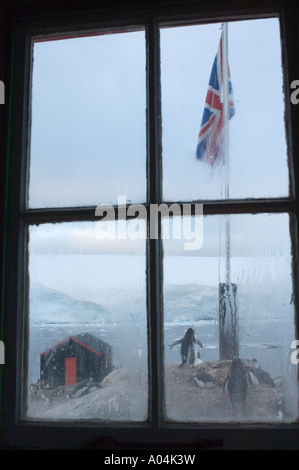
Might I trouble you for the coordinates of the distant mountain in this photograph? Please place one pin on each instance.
(190, 302)
(51, 306)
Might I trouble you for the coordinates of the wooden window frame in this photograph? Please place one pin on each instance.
(154, 434)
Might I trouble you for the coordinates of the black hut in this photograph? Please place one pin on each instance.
(77, 358)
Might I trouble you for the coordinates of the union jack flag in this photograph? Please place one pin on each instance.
(210, 138)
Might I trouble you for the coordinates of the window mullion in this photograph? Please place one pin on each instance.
(154, 247)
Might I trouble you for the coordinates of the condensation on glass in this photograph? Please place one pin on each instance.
(227, 280)
(202, 382)
(88, 132)
(258, 163)
(87, 323)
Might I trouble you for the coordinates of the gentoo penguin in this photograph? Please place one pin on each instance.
(236, 384)
(189, 347)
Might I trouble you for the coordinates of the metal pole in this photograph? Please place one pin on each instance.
(225, 81)
(228, 321)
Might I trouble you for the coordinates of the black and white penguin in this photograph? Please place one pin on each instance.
(259, 376)
(236, 384)
(203, 380)
(189, 348)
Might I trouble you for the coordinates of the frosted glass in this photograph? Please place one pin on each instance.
(257, 150)
(87, 302)
(88, 133)
(261, 273)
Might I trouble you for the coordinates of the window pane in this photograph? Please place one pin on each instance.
(87, 352)
(257, 317)
(88, 135)
(257, 152)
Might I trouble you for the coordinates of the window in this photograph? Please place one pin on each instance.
(114, 261)
(91, 121)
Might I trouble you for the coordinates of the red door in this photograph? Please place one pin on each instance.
(70, 371)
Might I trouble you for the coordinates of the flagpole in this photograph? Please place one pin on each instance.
(226, 142)
(228, 321)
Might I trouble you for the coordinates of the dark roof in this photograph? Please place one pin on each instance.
(86, 340)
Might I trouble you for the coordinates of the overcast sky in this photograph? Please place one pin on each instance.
(88, 140)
